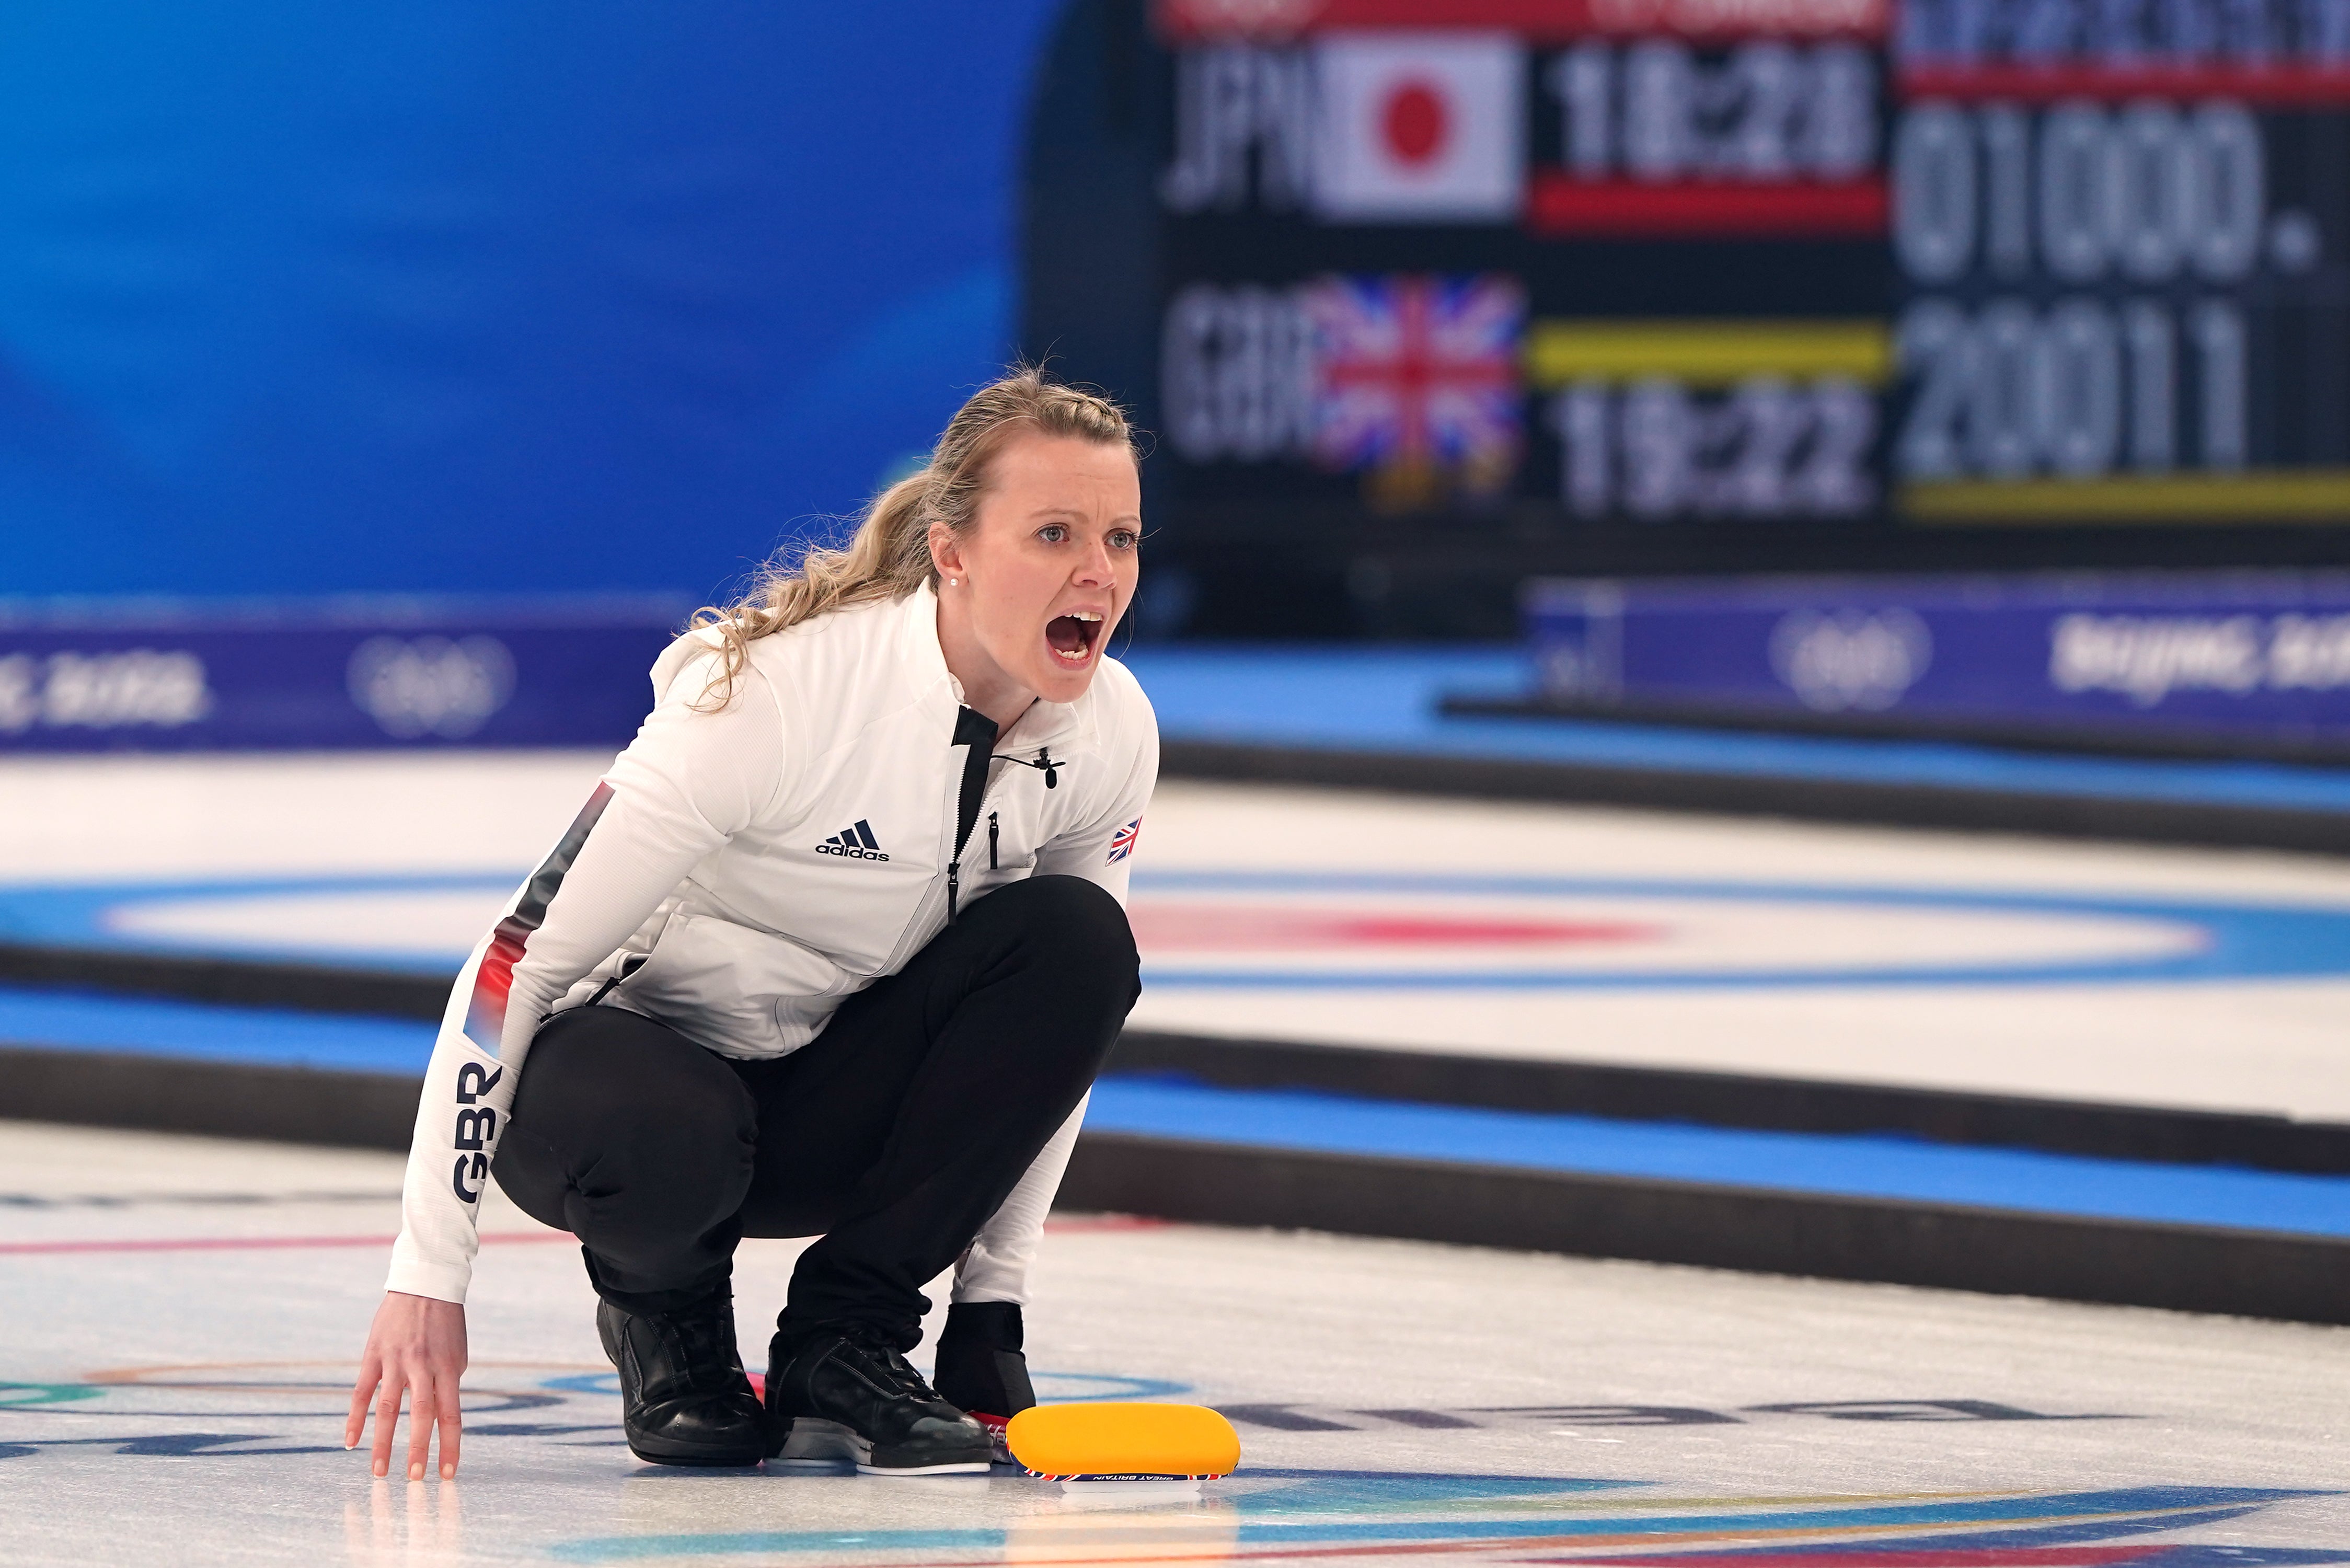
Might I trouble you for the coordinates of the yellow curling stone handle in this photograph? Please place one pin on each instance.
(1123, 1441)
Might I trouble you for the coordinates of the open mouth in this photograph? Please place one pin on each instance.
(1073, 636)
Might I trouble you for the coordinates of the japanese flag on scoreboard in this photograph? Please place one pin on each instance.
(1415, 127)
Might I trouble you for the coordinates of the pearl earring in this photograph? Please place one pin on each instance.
(953, 581)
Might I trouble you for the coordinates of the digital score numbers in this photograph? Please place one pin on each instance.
(1677, 143)
(1944, 262)
(2118, 228)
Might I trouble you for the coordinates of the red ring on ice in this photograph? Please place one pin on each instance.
(1186, 927)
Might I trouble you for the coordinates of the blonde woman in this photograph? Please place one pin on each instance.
(836, 949)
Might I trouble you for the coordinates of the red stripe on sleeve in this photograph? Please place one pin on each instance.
(486, 1013)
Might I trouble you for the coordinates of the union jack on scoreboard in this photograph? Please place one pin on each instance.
(1122, 842)
(1416, 370)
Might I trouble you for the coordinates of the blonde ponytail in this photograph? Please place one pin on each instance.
(888, 556)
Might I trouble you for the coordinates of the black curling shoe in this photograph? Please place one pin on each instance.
(684, 1399)
(837, 1394)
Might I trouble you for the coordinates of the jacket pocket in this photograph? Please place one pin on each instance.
(720, 984)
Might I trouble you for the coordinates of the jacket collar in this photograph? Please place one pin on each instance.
(919, 654)
(1066, 726)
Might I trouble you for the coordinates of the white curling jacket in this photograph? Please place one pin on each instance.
(736, 875)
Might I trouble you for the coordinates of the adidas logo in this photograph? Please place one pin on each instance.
(853, 843)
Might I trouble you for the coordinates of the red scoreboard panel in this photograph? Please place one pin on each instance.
(1721, 283)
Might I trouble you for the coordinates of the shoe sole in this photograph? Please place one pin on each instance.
(700, 1457)
(815, 1442)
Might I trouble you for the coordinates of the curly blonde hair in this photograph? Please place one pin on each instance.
(890, 554)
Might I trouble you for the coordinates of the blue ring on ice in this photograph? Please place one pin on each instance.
(2241, 940)
(74, 915)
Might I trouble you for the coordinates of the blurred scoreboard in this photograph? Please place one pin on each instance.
(1707, 266)
(2118, 228)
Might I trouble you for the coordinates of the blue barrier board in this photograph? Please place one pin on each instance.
(329, 673)
(2245, 653)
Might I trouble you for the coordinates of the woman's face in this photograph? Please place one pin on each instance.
(1050, 563)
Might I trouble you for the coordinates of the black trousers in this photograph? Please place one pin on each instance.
(894, 1135)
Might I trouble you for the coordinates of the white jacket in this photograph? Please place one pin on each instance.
(705, 882)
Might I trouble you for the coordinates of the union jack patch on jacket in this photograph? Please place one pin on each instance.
(1121, 844)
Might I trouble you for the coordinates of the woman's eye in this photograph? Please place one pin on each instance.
(1052, 532)
(1124, 539)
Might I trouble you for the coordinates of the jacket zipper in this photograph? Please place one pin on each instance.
(954, 867)
(906, 938)
(977, 732)
(628, 966)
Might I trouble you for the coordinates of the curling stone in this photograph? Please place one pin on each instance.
(1125, 1448)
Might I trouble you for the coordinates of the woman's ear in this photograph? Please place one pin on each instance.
(946, 551)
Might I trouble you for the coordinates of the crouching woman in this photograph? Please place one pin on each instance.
(836, 949)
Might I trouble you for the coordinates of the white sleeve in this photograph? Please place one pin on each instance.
(1101, 850)
(994, 1267)
(686, 784)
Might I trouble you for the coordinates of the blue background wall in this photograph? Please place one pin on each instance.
(303, 296)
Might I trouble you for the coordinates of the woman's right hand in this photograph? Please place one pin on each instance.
(416, 1345)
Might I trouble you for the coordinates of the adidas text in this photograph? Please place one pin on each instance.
(856, 843)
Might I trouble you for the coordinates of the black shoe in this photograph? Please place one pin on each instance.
(845, 1394)
(980, 1367)
(684, 1399)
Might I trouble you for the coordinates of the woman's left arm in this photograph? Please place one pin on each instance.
(994, 1267)
(1101, 850)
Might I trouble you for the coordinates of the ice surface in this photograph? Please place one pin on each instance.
(2221, 1038)
(182, 1314)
